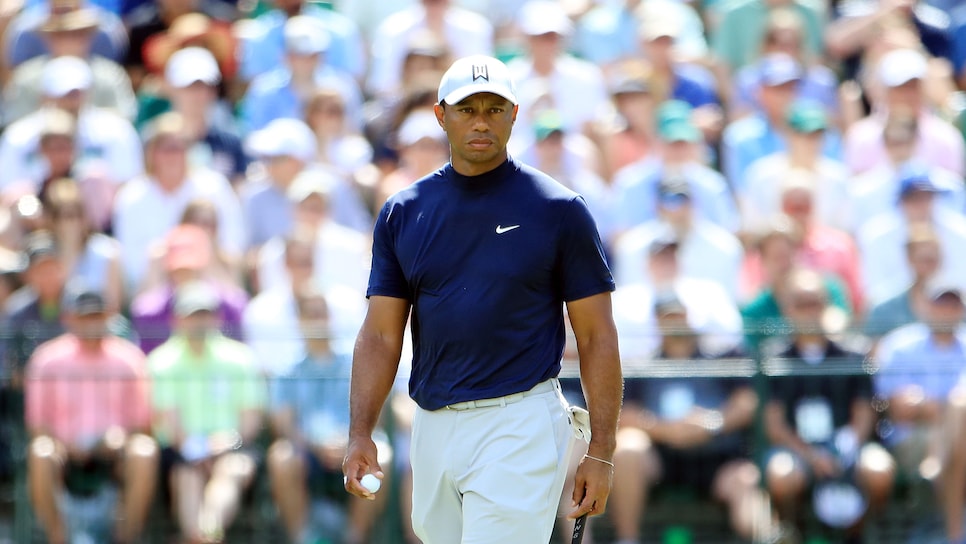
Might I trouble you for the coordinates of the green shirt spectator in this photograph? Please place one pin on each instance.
(737, 39)
(763, 318)
(209, 392)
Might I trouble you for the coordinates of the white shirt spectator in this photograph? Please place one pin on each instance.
(761, 196)
(712, 313)
(144, 213)
(576, 88)
(104, 140)
(465, 33)
(706, 251)
(876, 192)
(270, 325)
(342, 258)
(885, 268)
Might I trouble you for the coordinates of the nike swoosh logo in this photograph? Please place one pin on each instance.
(501, 229)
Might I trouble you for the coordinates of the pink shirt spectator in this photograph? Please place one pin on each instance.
(76, 395)
(940, 144)
(833, 252)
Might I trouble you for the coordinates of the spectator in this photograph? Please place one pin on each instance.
(155, 18)
(901, 72)
(263, 39)
(824, 249)
(422, 148)
(87, 404)
(760, 198)
(819, 418)
(785, 34)
(632, 137)
(284, 91)
(712, 313)
(191, 78)
(557, 153)
(187, 258)
(764, 277)
(677, 157)
(284, 148)
(58, 155)
(208, 401)
(341, 147)
(689, 429)
(462, 32)
(570, 84)
(149, 206)
(881, 240)
(105, 139)
(270, 321)
(860, 22)
(737, 38)
(756, 136)
(225, 267)
(310, 419)
(924, 255)
(69, 34)
(876, 190)
(88, 256)
(33, 312)
(700, 240)
(687, 81)
(23, 39)
(920, 366)
(342, 256)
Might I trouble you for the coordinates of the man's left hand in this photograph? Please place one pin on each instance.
(592, 485)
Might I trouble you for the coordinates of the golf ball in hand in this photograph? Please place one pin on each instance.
(371, 483)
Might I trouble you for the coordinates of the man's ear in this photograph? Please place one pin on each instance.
(439, 110)
(516, 110)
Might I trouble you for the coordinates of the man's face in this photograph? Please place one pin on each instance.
(804, 309)
(917, 206)
(70, 102)
(478, 128)
(283, 168)
(907, 96)
(199, 325)
(90, 326)
(46, 277)
(300, 263)
(946, 313)
(59, 152)
(775, 99)
(193, 99)
(545, 45)
(924, 259)
(73, 43)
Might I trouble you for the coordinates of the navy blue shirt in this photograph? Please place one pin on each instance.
(487, 263)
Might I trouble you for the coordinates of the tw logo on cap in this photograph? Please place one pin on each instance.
(480, 71)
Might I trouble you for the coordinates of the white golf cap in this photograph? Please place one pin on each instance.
(305, 35)
(476, 74)
(539, 17)
(284, 137)
(65, 74)
(418, 125)
(192, 64)
(900, 66)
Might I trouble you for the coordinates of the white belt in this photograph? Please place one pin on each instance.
(542, 387)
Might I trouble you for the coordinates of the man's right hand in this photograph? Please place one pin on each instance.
(361, 459)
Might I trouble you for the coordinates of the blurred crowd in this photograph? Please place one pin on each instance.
(188, 187)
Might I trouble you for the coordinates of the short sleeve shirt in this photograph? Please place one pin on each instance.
(487, 263)
(818, 396)
(209, 392)
(317, 392)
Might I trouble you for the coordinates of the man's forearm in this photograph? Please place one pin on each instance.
(373, 371)
(603, 384)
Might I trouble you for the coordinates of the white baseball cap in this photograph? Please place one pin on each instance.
(539, 17)
(305, 35)
(476, 74)
(65, 74)
(192, 64)
(901, 66)
(284, 137)
(418, 125)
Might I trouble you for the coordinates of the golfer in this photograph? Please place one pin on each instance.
(485, 252)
